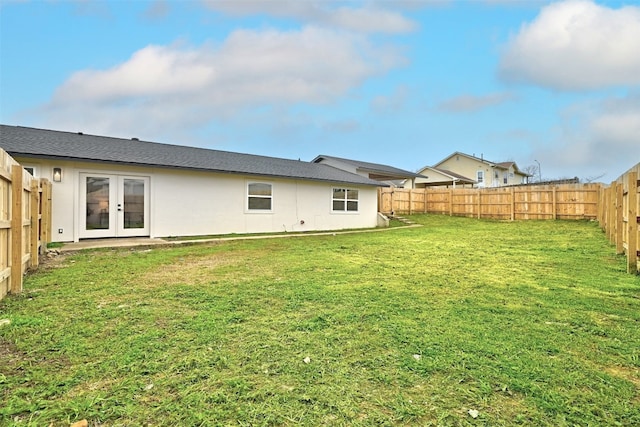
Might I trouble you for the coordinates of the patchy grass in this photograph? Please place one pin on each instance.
(528, 323)
(393, 223)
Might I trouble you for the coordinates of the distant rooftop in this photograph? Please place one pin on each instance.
(375, 170)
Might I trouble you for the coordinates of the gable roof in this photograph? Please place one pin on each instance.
(50, 144)
(375, 170)
(452, 175)
(458, 153)
(507, 165)
(499, 165)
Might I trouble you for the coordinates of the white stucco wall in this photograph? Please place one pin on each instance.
(190, 203)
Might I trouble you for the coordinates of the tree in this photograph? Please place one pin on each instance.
(593, 178)
(533, 171)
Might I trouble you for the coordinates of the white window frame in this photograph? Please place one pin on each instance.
(249, 196)
(505, 177)
(480, 178)
(33, 168)
(346, 200)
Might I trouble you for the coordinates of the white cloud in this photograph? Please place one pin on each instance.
(157, 10)
(576, 45)
(367, 19)
(152, 71)
(93, 8)
(341, 126)
(472, 103)
(392, 103)
(370, 20)
(172, 87)
(596, 139)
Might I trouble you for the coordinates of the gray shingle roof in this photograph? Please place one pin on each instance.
(42, 143)
(374, 168)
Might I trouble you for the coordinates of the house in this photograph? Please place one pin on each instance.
(464, 169)
(442, 178)
(113, 187)
(383, 173)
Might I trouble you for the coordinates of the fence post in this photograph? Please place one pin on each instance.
(479, 202)
(392, 206)
(611, 203)
(603, 208)
(609, 220)
(450, 202)
(513, 203)
(632, 223)
(599, 210)
(34, 216)
(45, 212)
(425, 200)
(554, 202)
(16, 229)
(619, 220)
(410, 201)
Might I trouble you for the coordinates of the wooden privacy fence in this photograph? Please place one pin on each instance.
(25, 222)
(564, 201)
(619, 215)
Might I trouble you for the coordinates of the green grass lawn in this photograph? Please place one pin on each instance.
(527, 323)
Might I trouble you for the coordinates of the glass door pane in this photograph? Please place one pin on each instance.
(133, 203)
(97, 203)
(113, 206)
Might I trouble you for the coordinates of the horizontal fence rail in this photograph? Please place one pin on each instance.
(25, 222)
(565, 201)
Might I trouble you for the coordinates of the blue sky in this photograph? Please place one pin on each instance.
(404, 83)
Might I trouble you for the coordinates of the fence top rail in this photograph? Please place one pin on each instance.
(622, 179)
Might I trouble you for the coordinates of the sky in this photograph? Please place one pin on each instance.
(403, 83)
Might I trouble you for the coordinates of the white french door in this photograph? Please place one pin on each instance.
(113, 205)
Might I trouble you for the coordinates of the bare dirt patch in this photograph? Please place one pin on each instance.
(194, 270)
(629, 374)
(52, 259)
(10, 356)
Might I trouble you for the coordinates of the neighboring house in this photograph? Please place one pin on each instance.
(442, 178)
(383, 173)
(479, 170)
(113, 187)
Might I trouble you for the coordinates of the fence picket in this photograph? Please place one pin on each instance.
(16, 229)
(565, 201)
(23, 215)
(632, 223)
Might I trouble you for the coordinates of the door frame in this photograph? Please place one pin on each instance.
(115, 211)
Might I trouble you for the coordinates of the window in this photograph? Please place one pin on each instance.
(30, 169)
(344, 200)
(480, 177)
(259, 196)
(505, 177)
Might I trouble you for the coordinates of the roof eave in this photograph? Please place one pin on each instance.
(153, 165)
